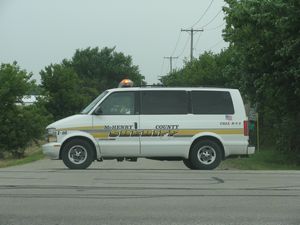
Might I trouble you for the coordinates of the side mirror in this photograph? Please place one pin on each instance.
(98, 111)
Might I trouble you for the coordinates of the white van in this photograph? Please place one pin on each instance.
(200, 126)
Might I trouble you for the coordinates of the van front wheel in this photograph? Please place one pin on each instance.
(205, 155)
(77, 154)
(188, 164)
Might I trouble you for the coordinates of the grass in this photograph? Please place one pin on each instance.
(265, 159)
(32, 154)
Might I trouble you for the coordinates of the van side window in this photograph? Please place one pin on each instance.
(212, 102)
(118, 103)
(164, 102)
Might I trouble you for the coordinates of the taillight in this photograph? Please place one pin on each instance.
(246, 130)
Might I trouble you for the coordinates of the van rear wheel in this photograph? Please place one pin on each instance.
(78, 154)
(205, 155)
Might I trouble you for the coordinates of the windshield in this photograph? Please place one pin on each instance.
(87, 109)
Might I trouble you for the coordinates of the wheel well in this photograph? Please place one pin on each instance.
(78, 137)
(216, 140)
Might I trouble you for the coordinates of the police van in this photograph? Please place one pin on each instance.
(200, 126)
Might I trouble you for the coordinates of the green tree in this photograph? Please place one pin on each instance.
(265, 34)
(74, 83)
(34, 89)
(13, 85)
(62, 90)
(20, 125)
(208, 70)
(103, 69)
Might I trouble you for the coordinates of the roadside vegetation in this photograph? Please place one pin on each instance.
(262, 61)
(266, 159)
(31, 154)
(20, 126)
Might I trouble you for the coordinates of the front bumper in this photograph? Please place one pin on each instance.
(250, 150)
(51, 150)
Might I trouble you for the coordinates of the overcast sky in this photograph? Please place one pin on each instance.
(36, 33)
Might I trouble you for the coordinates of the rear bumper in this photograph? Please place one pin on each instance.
(250, 150)
(51, 150)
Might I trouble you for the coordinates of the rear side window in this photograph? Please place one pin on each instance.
(212, 102)
(164, 102)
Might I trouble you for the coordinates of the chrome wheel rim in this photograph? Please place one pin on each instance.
(77, 154)
(206, 155)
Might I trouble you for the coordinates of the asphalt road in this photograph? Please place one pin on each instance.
(146, 192)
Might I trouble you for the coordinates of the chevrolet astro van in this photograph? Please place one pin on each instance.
(200, 126)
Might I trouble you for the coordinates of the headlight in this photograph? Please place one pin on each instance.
(51, 135)
(51, 131)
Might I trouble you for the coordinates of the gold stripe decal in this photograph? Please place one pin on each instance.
(101, 132)
(216, 131)
(81, 128)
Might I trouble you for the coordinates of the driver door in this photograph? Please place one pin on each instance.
(116, 122)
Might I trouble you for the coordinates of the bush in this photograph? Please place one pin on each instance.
(20, 125)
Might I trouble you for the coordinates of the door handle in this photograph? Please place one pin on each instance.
(135, 125)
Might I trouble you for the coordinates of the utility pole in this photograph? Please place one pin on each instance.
(192, 38)
(171, 59)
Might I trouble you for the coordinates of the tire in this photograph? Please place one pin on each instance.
(205, 155)
(188, 164)
(78, 154)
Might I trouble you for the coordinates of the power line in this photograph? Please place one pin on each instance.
(215, 45)
(203, 13)
(176, 45)
(182, 51)
(192, 38)
(171, 59)
(185, 45)
(198, 39)
(212, 19)
(162, 67)
(215, 28)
